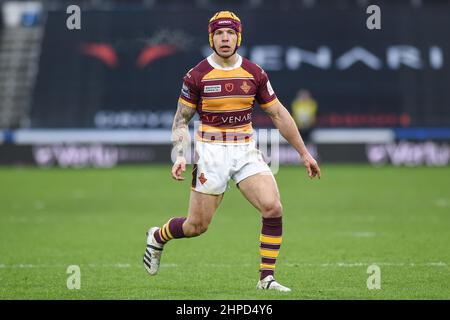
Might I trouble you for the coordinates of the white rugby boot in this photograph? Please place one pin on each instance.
(152, 254)
(269, 283)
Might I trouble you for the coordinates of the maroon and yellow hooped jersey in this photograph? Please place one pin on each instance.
(224, 98)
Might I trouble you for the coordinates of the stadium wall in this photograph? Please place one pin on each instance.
(100, 148)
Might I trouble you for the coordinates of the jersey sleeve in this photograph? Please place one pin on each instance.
(189, 91)
(265, 95)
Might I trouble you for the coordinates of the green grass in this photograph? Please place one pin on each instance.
(355, 216)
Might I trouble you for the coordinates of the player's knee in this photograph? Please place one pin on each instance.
(272, 209)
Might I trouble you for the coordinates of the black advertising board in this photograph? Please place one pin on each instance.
(123, 69)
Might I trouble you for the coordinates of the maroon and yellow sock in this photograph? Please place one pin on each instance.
(270, 242)
(173, 229)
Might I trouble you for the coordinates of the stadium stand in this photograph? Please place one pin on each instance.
(19, 53)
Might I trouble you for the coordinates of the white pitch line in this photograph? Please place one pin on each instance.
(362, 264)
(213, 265)
(363, 234)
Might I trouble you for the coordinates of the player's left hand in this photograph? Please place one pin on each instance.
(311, 166)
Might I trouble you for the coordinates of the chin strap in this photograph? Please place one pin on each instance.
(214, 48)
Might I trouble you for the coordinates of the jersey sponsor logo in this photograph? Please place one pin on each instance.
(217, 120)
(229, 87)
(185, 91)
(269, 88)
(209, 119)
(245, 87)
(237, 119)
(211, 89)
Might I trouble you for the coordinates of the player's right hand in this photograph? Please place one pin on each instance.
(178, 168)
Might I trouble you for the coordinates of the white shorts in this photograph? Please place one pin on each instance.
(216, 163)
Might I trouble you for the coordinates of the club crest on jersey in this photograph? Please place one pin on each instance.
(212, 89)
(202, 178)
(245, 87)
(229, 87)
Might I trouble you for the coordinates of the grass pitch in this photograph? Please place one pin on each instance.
(334, 228)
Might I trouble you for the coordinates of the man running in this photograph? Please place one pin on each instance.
(222, 89)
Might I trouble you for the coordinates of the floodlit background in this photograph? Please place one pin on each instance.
(85, 152)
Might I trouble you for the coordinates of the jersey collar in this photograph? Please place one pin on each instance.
(216, 66)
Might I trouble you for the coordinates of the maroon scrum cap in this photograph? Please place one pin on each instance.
(224, 19)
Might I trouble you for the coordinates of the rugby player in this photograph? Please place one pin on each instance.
(222, 89)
